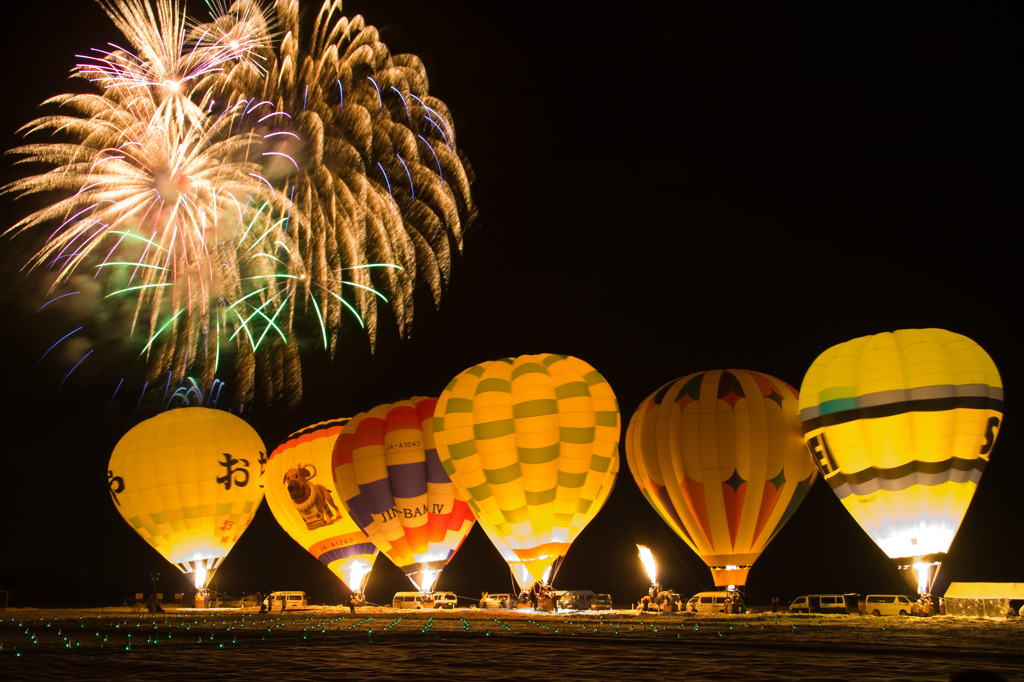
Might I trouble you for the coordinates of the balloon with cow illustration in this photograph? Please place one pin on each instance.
(388, 475)
(901, 425)
(719, 456)
(298, 484)
(532, 442)
(188, 482)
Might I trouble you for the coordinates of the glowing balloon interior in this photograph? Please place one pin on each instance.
(188, 481)
(309, 511)
(388, 475)
(532, 442)
(902, 425)
(719, 456)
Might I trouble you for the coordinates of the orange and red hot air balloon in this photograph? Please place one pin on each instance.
(720, 457)
(390, 479)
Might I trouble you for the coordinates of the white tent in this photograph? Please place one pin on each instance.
(987, 600)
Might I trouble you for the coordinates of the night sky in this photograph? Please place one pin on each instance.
(660, 191)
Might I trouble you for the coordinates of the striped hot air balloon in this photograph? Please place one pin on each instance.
(902, 425)
(188, 482)
(532, 442)
(298, 485)
(387, 473)
(719, 456)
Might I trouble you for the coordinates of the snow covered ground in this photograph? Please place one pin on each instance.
(330, 642)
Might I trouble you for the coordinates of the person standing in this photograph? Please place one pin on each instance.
(352, 603)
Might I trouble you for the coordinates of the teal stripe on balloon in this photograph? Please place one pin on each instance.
(462, 450)
(535, 408)
(568, 480)
(606, 418)
(574, 389)
(541, 455)
(576, 435)
(503, 475)
(493, 384)
(528, 368)
(837, 405)
(458, 405)
(480, 492)
(599, 463)
(495, 429)
(536, 498)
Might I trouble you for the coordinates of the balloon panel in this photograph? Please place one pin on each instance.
(719, 456)
(389, 477)
(296, 486)
(532, 442)
(188, 482)
(901, 425)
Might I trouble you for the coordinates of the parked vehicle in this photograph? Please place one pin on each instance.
(888, 605)
(407, 600)
(444, 600)
(497, 600)
(601, 602)
(709, 602)
(575, 600)
(287, 601)
(824, 603)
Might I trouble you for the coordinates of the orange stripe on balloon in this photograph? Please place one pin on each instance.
(769, 499)
(693, 493)
(418, 538)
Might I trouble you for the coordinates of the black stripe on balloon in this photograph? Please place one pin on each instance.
(890, 409)
(903, 471)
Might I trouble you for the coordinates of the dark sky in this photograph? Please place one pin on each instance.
(661, 191)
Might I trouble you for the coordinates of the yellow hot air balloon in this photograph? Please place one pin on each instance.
(532, 442)
(188, 482)
(296, 484)
(901, 425)
(719, 456)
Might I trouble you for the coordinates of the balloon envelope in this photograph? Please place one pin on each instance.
(188, 482)
(901, 425)
(309, 511)
(532, 442)
(387, 472)
(719, 456)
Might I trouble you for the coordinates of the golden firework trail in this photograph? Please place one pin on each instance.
(229, 178)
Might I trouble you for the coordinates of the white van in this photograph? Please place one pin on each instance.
(407, 600)
(575, 600)
(888, 605)
(709, 602)
(444, 600)
(824, 603)
(286, 601)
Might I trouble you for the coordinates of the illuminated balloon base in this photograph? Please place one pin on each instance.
(202, 569)
(920, 572)
(728, 576)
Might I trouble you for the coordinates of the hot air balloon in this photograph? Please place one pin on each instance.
(188, 482)
(902, 425)
(388, 475)
(532, 442)
(719, 456)
(309, 511)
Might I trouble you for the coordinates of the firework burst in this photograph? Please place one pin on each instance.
(228, 185)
